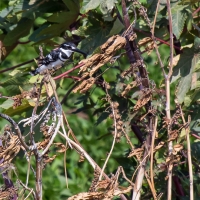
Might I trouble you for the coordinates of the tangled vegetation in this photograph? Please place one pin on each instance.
(122, 123)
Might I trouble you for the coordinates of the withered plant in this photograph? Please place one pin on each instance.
(152, 108)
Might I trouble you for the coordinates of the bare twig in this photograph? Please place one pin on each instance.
(69, 71)
(19, 65)
(168, 114)
(114, 139)
(188, 153)
(14, 124)
(189, 161)
(154, 39)
(151, 162)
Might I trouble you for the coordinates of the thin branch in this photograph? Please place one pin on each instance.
(154, 40)
(151, 162)
(190, 161)
(14, 124)
(168, 114)
(69, 71)
(151, 186)
(113, 143)
(19, 65)
(196, 11)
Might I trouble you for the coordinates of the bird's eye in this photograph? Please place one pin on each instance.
(69, 47)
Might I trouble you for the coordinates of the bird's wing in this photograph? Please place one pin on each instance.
(51, 57)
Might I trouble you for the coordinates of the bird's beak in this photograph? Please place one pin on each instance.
(79, 51)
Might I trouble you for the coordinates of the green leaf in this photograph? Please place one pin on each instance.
(7, 104)
(53, 30)
(106, 6)
(72, 5)
(12, 84)
(197, 45)
(185, 69)
(36, 37)
(90, 5)
(63, 17)
(195, 83)
(102, 117)
(5, 12)
(117, 27)
(184, 64)
(152, 4)
(19, 110)
(183, 87)
(96, 35)
(22, 29)
(179, 16)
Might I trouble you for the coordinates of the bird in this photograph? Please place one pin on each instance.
(57, 57)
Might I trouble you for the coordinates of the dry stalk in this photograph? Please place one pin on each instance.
(113, 144)
(189, 161)
(151, 186)
(141, 171)
(154, 40)
(168, 114)
(151, 162)
(189, 154)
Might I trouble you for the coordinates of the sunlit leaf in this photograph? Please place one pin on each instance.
(184, 64)
(13, 83)
(7, 104)
(179, 16)
(90, 4)
(19, 110)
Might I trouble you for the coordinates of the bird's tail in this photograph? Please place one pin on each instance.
(33, 73)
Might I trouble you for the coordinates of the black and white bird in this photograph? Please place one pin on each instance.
(57, 57)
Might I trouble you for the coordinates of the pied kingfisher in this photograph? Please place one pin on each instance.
(57, 57)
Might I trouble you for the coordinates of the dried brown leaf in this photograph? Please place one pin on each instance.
(128, 88)
(160, 145)
(61, 147)
(136, 152)
(9, 150)
(100, 195)
(144, 99)
(85, 85)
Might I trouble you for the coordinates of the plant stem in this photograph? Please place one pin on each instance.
(168, 114)
(190, 162)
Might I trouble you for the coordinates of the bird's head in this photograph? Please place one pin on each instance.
(68, 48)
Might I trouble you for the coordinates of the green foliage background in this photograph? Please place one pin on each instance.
(26, 24)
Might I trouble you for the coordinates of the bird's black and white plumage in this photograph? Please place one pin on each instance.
(57, 57)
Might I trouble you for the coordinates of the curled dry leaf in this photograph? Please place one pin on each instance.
(43, 144)
(2, 50)
(32, 94)
(144, 99)
(177, 148)
(173, 159)
(85, 85)
(173, 135)
(147, 43)
(95, 180)
(8, 193)
(47, 159)
(108, 50)
(9, 150)
(136, 152)
(131, 69)
(92, 64)
(61, 147)
(108, 195)
(128, 88)
(160, 145)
